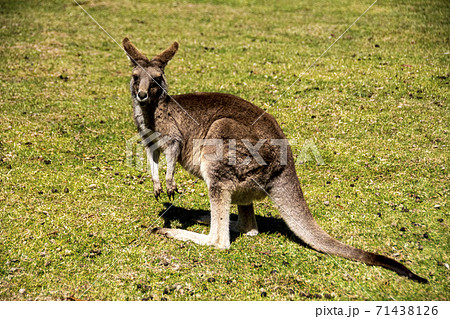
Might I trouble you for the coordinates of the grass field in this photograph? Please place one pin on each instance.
(75, 220)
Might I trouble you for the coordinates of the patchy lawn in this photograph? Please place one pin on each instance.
(75, 219)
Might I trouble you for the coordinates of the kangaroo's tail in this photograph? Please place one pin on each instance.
(288, 196)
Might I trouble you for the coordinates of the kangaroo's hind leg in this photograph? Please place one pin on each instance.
(219, 234)
(246, 222)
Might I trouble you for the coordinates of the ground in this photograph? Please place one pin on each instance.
(75, 218)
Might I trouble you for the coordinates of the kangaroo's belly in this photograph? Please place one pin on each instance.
(247, 196)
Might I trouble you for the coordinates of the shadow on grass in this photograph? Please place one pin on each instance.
(190, 217)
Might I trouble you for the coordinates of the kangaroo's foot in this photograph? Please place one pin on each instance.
(235, 226)
(186, 235)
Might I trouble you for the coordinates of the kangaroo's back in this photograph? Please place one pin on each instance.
(201, 109)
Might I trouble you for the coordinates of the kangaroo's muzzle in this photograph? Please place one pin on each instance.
(142, 96)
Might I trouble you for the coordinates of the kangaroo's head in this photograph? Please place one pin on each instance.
(148, 84)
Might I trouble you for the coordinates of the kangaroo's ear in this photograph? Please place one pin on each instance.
(164, 57)
(133, 53)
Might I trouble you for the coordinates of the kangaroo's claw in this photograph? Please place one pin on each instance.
(157, 192)
(171, 192)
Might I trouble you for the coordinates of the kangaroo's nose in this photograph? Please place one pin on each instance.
(142, 96)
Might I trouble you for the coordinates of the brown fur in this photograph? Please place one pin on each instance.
(182, 119)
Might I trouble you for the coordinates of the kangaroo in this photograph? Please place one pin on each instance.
(254, 164)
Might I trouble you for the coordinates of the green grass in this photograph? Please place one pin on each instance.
(75, 219)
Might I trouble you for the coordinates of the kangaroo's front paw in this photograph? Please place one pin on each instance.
(171, 190)
(157, 191)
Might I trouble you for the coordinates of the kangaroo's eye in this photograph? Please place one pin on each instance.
(135, 78)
